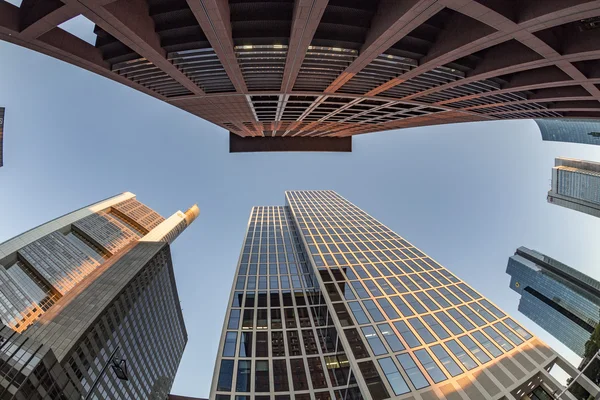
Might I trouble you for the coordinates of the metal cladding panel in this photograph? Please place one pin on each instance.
(239, 144)
(139, 213)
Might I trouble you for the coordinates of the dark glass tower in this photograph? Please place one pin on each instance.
(584, 131)
(96, 282)
(560, 299)
(328, 303)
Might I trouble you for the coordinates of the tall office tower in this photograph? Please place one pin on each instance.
(560, 299)
(309, 74)
(328, 303)
(1, 136)
(576, 185)
(89, 299)
(584, 131)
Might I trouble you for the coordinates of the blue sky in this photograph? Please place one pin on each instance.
(466, 194)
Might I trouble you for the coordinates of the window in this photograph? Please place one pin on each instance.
(459, 293)
(393, 376)
(230, 342)
(373, 288)
(373, 380)
(317, 375)
(234, 319)
(374, 341)
(413, 372)
(483, 312)
(414, 303)
(435, 326)
(485, 342)
(390, 337)
(246, 344)
(517, 328)
(469, 291)
(438, 298)
(462, 355)
(373, 310)
(423, 333)
(492, 308)
(225, 376)
(243, 376)
(280, 378)
(360, 290)
(471, 315)
(387, 308)
(448, 322)
(508, 333)
(474, 349)
(356, 343)
(359, 314)
(262, 344)
(248, 321)
(430, 366)
(496, 337)
(348, 294)
(409, 337)
(401, 305)
(461, 319)
(447, 361)
(298, 374)
(387, 289)
(261, 376)
(427, 301)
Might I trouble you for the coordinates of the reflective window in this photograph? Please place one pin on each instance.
(360, 290)
(449, 296)
(400, 288)
(460, 319)
(393, 376)
(387, 289)
(225, 376)
(459, 293)
(469, 291)
(410, 299)
(448, 322)
(243, 376)
(483, 312)
(508, 333)
(390, 337)
(412, 370)
(246, 344)
(409, 337)
(427, 301)
(438, 298)
(373, 288)
(430, 366)
(517, 328)
(401, 305)
(359, 314)
(373, 310)
(374, 341)
(485, 342)
(356, 343)
(234, 319)
(447, 361)
(461, 354)
(423, 333)
(471, 315)
(474, 349)
(494, 310)
(435, 326)
(230, 342)
(387, 308)
(262, 344)
(496, 337)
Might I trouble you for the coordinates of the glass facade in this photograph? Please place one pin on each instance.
(397, 321)
(563, 301)
(576, 185)
(82, 287)
(584, 131)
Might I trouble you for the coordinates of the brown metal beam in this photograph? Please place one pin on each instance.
(305, 20)
(213, 16)
(393, 21)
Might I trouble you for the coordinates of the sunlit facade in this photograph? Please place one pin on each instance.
(82, 286)
(576, 185)
(328, 303)
(560, 299)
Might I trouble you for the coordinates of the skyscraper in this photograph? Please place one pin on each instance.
(584, 131)
(309, 74)
(576, 185)
(328, 303)
(560, 299)
(86, 289)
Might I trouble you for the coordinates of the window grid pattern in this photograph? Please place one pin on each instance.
(279, 335)
(380, 277)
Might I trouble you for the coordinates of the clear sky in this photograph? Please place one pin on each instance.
(467, 194)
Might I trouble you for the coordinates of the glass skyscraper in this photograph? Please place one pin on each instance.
(576, 185)
(328, 303)
(74, 291)
(2, 111)
(573, 130)
(560, 299)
